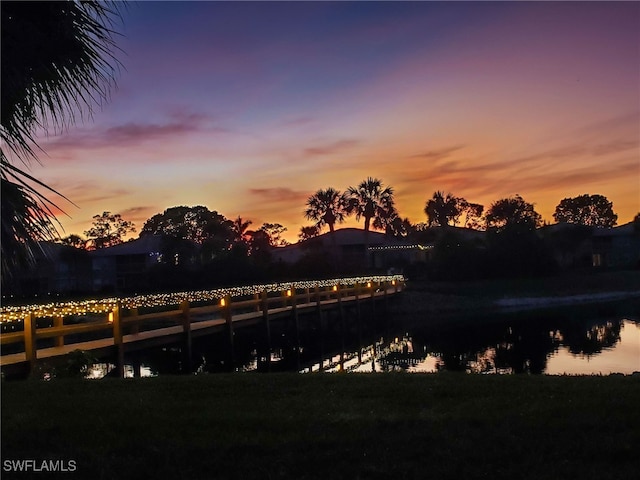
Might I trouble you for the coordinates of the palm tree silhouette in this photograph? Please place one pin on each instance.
(442, 209)
(369, 200)
(239, 228)
(326, 207)
(57, 60)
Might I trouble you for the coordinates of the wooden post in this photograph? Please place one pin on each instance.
(256, 298)
(226, 311)
(342, 328)
(267, 328)
(137, 366)
(356, 290)
(294, 314)
(30, 347)
(187, 353)
(373, 303)
(58, 321)
(386, 297)
(307, 293)
(135, 327)
(116, 318)
(316, 291)
(386, 307)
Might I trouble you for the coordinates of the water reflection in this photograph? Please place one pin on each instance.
(619, 356)
(603, 348)
(104, 370)
(563, 341)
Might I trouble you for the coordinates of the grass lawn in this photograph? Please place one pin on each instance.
(339, 426)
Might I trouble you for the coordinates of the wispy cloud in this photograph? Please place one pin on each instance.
(279, 194)
(616, 146)
(138, 215)
(569, 179)
(178, 124)
(331, 148)
(438, 154)
(622, 121)
(86, 192)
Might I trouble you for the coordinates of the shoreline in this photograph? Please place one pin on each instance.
(566, 300)
(431, 298)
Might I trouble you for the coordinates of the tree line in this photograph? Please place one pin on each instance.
(370, 201)
(509, 245)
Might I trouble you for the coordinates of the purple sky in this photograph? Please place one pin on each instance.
(249, 108)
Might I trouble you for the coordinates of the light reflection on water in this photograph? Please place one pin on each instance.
(623, 357)
(612, 347)
(102, 370)
(566, 342)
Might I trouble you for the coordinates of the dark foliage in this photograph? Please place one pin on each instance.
(57, 63)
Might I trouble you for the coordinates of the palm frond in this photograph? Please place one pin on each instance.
(25, 222)
(58, 62)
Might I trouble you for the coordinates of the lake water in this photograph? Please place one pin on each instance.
(620, 356)
(597, 339)
(586, 340)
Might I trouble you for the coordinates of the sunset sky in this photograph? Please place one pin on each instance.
(249, 108)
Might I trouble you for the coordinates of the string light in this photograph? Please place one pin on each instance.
(62, 309)
(402, 247)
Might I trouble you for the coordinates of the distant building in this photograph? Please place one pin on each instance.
(353, 247)
(616, 247)
(58, 269)
(571, 245)
(124, 267)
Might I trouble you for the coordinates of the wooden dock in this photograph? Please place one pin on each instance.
(125, 329)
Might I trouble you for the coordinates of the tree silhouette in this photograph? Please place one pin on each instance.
(588, 210)
(57, 60)
(472, 213)
(514, 249)
(369, 200)
(197, 224)
(399, 227)
(446, 209)
(274, 233)
(108, 230)
(512, 212)
(442, 209)
(308, 232)
(326, 207)
(240, 230)
(75, 241)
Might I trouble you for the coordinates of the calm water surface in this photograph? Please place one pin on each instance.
(622, 355)
(587, 340)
